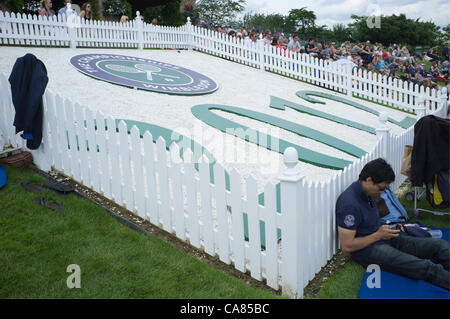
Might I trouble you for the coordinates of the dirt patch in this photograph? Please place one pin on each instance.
(137, 223)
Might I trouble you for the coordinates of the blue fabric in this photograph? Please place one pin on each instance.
(2, 176)
(399, 287)
(396, 209)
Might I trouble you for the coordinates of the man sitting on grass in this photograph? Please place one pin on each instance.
(362, 235)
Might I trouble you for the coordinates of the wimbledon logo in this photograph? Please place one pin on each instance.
(143, 74)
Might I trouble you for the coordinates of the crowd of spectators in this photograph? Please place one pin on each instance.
(423, 68)
(46, 9)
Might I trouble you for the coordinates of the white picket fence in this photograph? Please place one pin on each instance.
(167, 190)
(18, 29)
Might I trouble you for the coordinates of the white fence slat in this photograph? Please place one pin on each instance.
(254, 233)
(150, 173)
(189, 180)
(222, 215)
(207, 219)
(270, 205)
(161, 168)
(82, 139)
(124, 155)
(237, 217)
(93, 153)
(113, 154)
(74, 162)
(138, 172)
(177, 189)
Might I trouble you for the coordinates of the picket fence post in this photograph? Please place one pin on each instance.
(260, 46)
(291, 182)
(382, 132)
(72, 22)
(140, 31)
(190, 33)
(420, 109)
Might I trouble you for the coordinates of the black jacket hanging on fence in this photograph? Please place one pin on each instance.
(430, 153)
(28, 81)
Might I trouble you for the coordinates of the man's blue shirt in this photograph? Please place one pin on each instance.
(357, 211)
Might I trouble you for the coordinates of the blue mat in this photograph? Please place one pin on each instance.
(3, 177)
(398, 287)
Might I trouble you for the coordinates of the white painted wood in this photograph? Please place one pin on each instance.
(138, 172)
(221, 211)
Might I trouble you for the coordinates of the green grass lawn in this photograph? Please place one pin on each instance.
(347, 282)
(37, 244)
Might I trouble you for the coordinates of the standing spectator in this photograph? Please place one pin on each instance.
(154, 21)
(86, 11)
(46, 8)
(63, 9)
(123, 19)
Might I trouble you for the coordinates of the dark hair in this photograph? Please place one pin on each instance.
(379, 170)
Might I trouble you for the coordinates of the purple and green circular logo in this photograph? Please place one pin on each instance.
(144, 74)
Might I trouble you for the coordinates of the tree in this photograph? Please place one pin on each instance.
(219, 11)
(395, 29)
(300, 21)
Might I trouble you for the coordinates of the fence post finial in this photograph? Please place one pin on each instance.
(140, 31)
(420, 109)
(293, 217)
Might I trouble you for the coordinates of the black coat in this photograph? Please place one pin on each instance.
(28, 81)
(430, 153)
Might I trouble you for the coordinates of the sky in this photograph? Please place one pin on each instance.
(331, 12)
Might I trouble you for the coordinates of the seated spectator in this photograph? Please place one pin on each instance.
(361, 233)
(405, 56)
(445, 52)
(294, 45)
(46, 8)
(366, 54)
(267, 37)
(333, 51)
(250, 41)
(445, 68)
(311, 48)
(356, 49)
(432, 56)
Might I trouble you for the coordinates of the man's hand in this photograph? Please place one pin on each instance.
(385, 232)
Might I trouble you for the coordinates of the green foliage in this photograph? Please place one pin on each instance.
(117, 8)
(274, 22)
(171, 14)
(167, 14)
(219, 11)
(395, 29)
(12, 5)
(300, 21)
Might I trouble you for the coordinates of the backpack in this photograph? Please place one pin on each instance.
(437, 190)
(396, 213)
